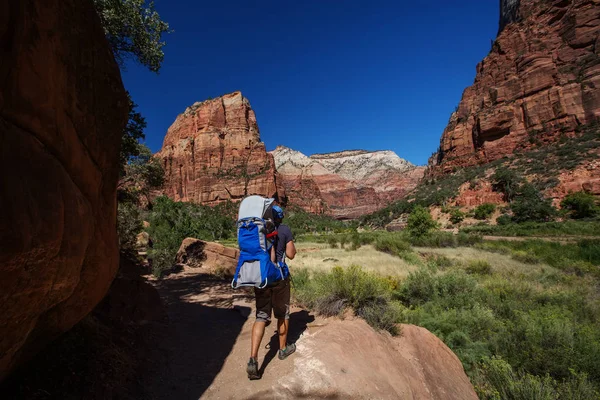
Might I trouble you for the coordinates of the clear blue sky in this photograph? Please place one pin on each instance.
(322, 75)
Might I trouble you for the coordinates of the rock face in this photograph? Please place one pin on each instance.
(62, 112)
(416, 365)
(211, 257)
(540, 81)
(345, 184)
(213, 153)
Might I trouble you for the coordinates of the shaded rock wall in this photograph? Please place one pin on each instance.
(540, 81)
(62, 111)
(213, 153)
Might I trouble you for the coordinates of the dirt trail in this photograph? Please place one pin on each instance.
(206, 345)
(203, 351)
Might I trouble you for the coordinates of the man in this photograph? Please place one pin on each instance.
(275, 297)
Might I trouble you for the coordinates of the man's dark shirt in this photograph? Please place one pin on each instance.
(284, 236)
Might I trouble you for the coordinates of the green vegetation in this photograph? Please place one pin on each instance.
(133, 29)
(584, 228)
(171, 222)
(542, 165)
(369, 295)
(581, 258)
(302, 222)
(524, 329)
(420, 222)
(580, 205)
(484, 211)
(456, 216)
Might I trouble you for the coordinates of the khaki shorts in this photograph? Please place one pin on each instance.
(274, 298)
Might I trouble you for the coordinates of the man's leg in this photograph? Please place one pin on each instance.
(263, 316)
(258, 331)
(281, 309)
(283, 326)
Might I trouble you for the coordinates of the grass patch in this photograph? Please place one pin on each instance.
(581, 228)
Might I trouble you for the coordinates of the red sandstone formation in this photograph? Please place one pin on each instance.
(62, 113)
(346, 184)
(213, 153)
(540, 80)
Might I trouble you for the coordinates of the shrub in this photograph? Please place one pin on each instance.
(457, 216)
(394, 245)
(525, 257)
(333, 242)
(367, 293)
(481, 267)
(504, 219)
(529, 205)
(484, 211)
(420, 222)
(129, 224)
(507, 182)
(580, 205)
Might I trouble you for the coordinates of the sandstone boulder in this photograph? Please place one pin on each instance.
(211, 257)
(62, 112)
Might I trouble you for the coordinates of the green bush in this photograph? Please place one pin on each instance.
(333, 242)
(456, 216)
(129, 225)
(366, 293)
(420, 222)
(529, 205)
(507, 182)
(569, 227)
(481, 267)
(504, 219)
(525, 257)
(484, 211)
(392, 244)
(580, 205)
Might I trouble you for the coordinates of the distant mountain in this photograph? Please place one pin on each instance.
(344, 184)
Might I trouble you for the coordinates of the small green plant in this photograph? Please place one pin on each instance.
(580, 205)
(333, 242)
(504, 219)
(457, 216)
(420, 222)
(525, 257)
(484, 211)
(481, 267)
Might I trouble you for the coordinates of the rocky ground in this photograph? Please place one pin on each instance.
(197, 346)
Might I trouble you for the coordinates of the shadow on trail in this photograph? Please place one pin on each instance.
(203, 329)
(299, 321)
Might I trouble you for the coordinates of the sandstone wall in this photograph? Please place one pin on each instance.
(540, 81)
(62, 111)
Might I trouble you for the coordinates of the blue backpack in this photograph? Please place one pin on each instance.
(256, 236)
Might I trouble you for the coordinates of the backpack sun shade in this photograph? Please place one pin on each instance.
(256, 235)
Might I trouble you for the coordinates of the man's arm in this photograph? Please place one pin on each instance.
(290, 250)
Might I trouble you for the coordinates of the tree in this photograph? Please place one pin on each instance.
(484, 211)
(507, 182)
(530, 205)
(132, 134)
(457, 216)
(580, 205)
(133, 29)
(142, 173)
(420, 222)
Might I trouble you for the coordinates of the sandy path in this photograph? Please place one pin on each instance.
(206, 345)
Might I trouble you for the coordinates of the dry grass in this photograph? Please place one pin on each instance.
(500, 263)
(320, 257)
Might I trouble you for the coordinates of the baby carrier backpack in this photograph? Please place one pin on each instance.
(256, 236)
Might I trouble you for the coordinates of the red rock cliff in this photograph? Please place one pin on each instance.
(345, 184)
(213, 153)
(540, 80)
(62, 113)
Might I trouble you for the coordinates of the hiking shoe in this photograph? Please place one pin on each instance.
(289, 349)
(252, 369)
